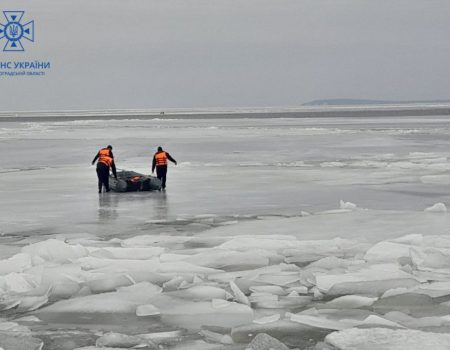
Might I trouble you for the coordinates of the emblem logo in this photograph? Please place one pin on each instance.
(14, 31)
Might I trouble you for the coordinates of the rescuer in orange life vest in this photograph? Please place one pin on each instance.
(105, 161)
(160, 163)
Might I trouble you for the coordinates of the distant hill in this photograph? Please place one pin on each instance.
(356, 102)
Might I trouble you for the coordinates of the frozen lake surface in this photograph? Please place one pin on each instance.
(312, 230)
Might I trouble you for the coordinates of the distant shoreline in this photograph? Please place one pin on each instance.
(305, 112)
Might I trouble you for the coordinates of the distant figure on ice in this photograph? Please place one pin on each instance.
(160, 163)
(105, 161)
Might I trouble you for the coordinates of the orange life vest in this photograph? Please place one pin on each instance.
(104, 156)
(161, 158)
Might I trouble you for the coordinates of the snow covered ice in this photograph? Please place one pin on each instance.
(386, 339)
(326, 232)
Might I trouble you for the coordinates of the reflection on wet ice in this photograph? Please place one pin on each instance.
(161, 205)
(107, 206)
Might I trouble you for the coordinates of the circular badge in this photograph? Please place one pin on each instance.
(13, 31)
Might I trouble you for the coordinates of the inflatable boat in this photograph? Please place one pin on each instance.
(130, 181)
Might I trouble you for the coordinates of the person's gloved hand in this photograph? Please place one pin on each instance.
(92, 163)
(176, 163)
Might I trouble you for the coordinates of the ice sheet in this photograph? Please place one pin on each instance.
(262, 220)
(384, 163)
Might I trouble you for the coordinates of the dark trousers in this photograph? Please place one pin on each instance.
(161, 173)
(103, 176)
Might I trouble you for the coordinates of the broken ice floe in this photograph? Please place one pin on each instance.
(293, 289)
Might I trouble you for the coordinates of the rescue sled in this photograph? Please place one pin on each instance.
(130, 181)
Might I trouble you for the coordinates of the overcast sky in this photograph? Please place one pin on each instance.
(108, 54)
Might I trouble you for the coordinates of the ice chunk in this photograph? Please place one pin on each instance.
(128, 253)
(13, 327)
(374, 320)
(117, 340)
(268, 289)
(318, 295)
(109, 284)
(118, 265)
(66, 290)
(125, 300)
(437, 241)
(146, 276)
(197, 345)
(431, 257)
(219, 258)
(347, 205)
(407, 302)
(434, 290)
(396, 291)
(247, 278)
(321, 322)
(147, 310)
(163, 337)
(412, 322)
(63, 281)
(287, 331)
(142, 287)
(54, 250)
(370, 288)
(238, 295)
(7, 303)
(267, 319)
(184, 267)
(373, 280)
(102, 348)
(307, 278)
(265, 342)
(284, 302)
(309, 251)
(350, 302)
(18, 283)
(279, 279)
(32, 302)
(11, 341)
(28, 319)
(230, 222)
(219, 303)
(299, 290)
(201, 293)
(387, 252)
(412, 239)
(16, 263)
(323, 346)
(263, 297)
(437, 208)
(216, 337)
(173, 284)
(197, 279)
(151, 265)
(167, 257)
(387, 339)
(193, 315)
(332, 262)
